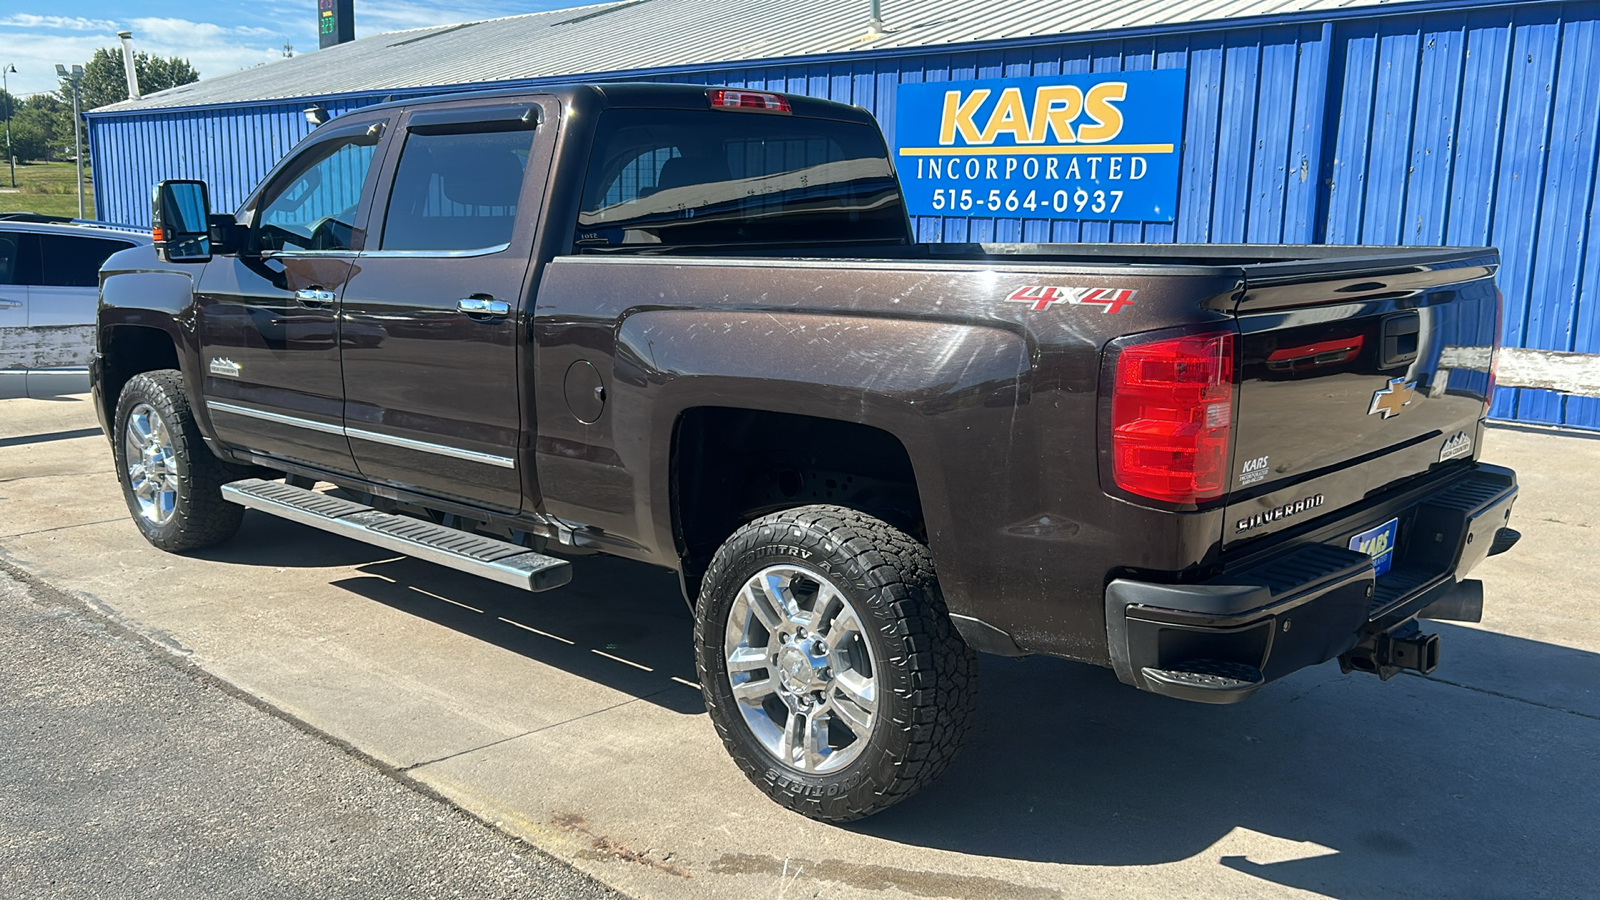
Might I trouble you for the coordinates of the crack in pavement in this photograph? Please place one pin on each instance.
(415, 766)
(56, 475)
(61, 528)
(1504, 696)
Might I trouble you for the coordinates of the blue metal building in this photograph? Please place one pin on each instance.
(1333, 122)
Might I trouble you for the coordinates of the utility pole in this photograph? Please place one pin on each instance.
(11, 107)
(76, 76)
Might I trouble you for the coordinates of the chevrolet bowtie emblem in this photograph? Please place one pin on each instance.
(1396, 394)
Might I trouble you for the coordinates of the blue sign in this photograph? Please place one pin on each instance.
(1102, 146)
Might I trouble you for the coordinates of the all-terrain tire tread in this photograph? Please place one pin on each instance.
(203, 517)
(941, 669)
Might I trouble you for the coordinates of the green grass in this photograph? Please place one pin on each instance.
(48, 188)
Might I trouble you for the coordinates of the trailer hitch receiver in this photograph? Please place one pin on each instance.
(1387, 654)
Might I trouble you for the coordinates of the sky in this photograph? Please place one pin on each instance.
(216, 36)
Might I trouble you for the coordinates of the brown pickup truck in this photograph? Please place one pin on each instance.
(691, 327)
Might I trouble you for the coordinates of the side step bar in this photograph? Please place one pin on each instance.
(475, 554)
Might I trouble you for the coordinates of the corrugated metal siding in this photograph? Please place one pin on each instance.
(641, 34)
(1456, 128)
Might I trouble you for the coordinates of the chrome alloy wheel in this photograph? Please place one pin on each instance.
(152, 464)
(801, 669)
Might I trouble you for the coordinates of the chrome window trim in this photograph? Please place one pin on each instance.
(299, 254)
(439, 254)
(489, 459)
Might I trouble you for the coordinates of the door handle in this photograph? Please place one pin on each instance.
(10, 304)
(313, 296)
(483, 306)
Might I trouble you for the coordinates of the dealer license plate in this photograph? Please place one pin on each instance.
(1378, 543)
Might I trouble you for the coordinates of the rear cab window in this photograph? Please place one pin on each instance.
(673, 178)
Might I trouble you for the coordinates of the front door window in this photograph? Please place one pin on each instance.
(313, 205)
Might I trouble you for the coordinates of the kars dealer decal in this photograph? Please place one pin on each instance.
(1043, 296)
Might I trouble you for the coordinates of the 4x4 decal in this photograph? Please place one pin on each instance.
(1044, 296)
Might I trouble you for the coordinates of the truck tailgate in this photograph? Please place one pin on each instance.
(1354, 378)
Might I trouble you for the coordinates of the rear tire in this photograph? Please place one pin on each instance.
(170, 479)
(829, 664)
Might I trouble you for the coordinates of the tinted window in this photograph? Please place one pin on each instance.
(74, 261)
(456, 191)
(10, 249)
(312, 205)
(681, 178)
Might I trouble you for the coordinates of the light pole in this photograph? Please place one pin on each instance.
(5, 88)
(76, 76)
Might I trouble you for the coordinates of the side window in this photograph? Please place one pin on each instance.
(312, 205)
(75, 261)
(10, 249)
(456, 191)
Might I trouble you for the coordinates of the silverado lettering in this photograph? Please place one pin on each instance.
(1279, 512)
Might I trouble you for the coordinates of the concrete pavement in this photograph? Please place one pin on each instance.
(570, 719)
(126, 776)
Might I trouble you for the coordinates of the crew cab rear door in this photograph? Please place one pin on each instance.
(1356, 376)
(434, 312)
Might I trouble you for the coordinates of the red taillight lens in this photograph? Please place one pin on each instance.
(1172, 416)
(759, 101)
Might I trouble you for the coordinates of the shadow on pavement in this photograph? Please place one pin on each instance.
(619, 623)
(268, 541)
(22, 439)
(1410, 788)
(1342, 785)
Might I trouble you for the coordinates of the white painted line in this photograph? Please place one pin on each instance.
(626, 662)
(547, 634)
(446, 599)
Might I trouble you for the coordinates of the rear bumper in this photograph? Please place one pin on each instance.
(1308, 600)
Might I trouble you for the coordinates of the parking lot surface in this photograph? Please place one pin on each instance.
(571, 719)
(127, 776)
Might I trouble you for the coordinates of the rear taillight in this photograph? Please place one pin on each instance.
(1172, 417)
(755, 101)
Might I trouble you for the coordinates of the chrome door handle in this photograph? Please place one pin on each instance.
(480, 306)
(313, 297)
(10, 304)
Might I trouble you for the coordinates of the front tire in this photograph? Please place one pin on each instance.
(829, 664)
(170, 480)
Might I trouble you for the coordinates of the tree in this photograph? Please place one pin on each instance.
(105, 80)
(41, 127)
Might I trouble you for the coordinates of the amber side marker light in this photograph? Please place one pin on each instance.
(748, 101)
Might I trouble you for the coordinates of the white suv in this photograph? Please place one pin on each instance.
(49, 286)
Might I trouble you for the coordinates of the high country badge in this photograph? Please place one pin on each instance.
(1456, 447)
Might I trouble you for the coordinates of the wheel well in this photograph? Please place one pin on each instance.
(731, 466)
(127, 350)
